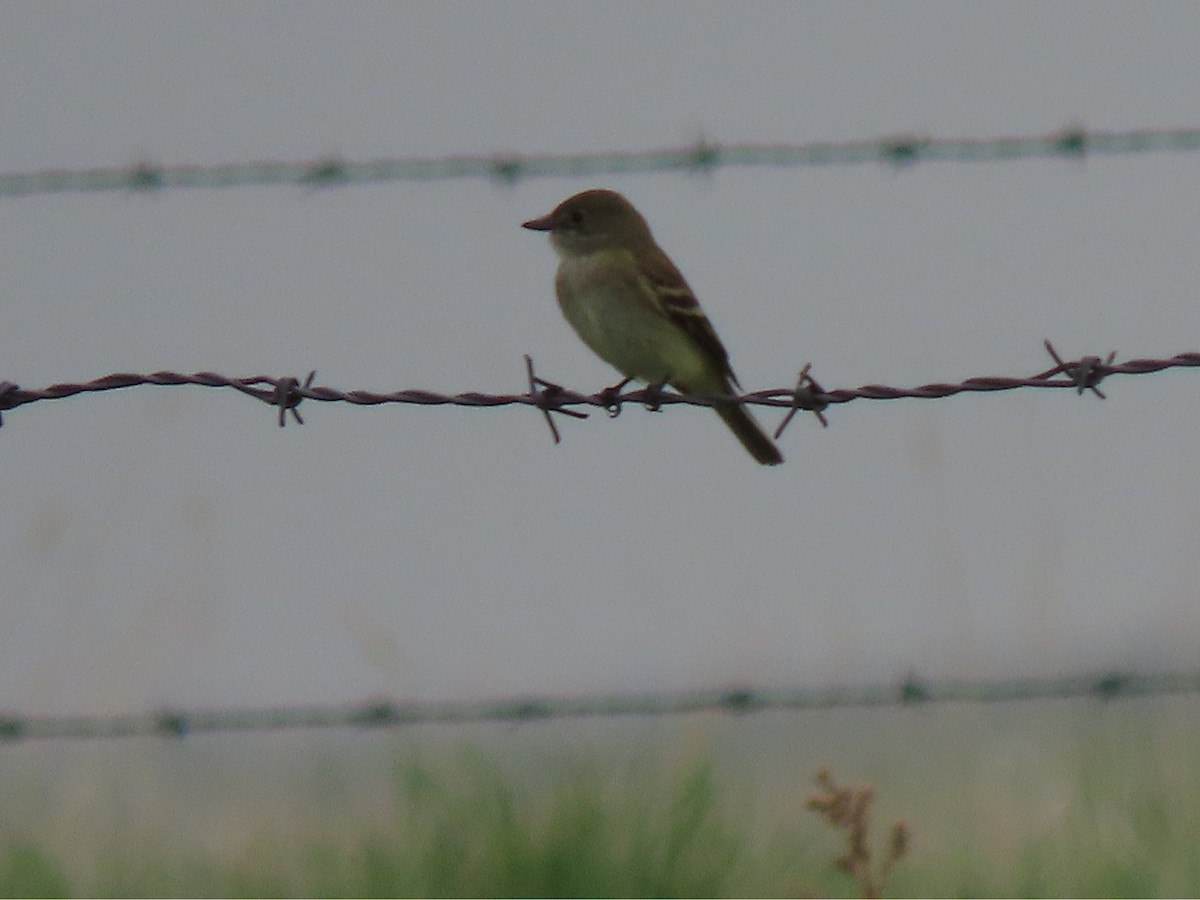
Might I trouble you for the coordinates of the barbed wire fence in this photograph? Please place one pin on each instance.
(1072, 142)
(381, 713)
(287, 393)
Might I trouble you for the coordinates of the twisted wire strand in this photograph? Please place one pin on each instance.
(287, 393)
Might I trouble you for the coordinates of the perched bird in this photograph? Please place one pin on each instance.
(627, 301)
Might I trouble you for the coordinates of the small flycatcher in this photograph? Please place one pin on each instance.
(627, 301)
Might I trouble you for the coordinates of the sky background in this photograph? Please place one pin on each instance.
(173, 547)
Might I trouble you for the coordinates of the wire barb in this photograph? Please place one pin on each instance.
(548, 397)
(145, 176)
(325, 172)
(287, 396)
(1086, 373)
(806, 395)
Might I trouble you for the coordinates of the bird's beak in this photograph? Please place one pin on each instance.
(542, 224)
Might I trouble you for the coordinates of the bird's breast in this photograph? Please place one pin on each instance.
(608, 304)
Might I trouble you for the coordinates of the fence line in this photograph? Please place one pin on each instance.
(288, 393)
(703, 156)
(392, 714)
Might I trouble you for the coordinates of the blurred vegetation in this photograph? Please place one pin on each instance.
(1046, 799)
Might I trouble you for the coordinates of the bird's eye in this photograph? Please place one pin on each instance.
(576, 217)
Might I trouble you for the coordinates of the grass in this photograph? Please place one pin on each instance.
(472, 833)
(1065, 800)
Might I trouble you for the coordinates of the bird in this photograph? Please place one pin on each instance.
(629, 303)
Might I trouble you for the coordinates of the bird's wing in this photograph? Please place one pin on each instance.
(675, 300)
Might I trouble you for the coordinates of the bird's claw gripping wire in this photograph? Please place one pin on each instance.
(610, 397)
(652, 395)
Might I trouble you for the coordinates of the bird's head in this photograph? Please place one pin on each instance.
(593, 220)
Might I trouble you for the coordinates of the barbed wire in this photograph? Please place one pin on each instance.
(382, 713)
(287, 393)
(702, 156)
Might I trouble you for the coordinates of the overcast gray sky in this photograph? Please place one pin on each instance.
(173, 546)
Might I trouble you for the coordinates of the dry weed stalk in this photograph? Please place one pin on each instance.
(849, 808)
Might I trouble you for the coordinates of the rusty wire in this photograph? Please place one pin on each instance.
(287, 393)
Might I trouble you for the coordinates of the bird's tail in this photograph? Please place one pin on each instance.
(750, 433)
